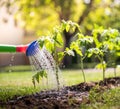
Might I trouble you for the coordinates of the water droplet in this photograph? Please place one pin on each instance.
(11, 61)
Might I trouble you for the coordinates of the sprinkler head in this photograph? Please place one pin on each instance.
(32, 48)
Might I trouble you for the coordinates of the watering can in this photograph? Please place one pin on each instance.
(29, 49)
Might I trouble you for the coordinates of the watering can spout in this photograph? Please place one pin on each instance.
(32, 49)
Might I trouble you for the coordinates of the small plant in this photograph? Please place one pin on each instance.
(81, 46)
(52, 43)
(101, 47)
(113, 40)
(99, 54)
(106, 42)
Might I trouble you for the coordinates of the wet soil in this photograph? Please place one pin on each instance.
(69, 97)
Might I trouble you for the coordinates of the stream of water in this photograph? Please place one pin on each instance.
(11, 61)
(43, 60)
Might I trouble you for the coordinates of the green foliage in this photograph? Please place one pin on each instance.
(103, 14)
(39, 75)
(9, 92)
(95, 95)
(94, 51)
(99, 54)
(70, 26)
(81, 47)
(101, 42)
(80, 43)
(74, 46)
(36, 16)
(104, 42)
(42, 15)
(46, 41)
(69, 52)
(53, 42)
(99, 97)
(101, 65)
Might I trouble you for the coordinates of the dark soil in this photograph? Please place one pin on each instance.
(69, 97)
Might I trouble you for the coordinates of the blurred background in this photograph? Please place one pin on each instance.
(23, 21)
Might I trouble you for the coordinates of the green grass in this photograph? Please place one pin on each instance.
(109, 99)
(16, 79)
(72, 77)
(20, 83)
(8, 92)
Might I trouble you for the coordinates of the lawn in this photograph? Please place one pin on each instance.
(20, 83)
(70, 76)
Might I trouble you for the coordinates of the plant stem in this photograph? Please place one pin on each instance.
(57, 78)
(56, 59)
(82, 68)
(115, 70)
(103, 68)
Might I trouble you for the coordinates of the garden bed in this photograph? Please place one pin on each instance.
(69, 97)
